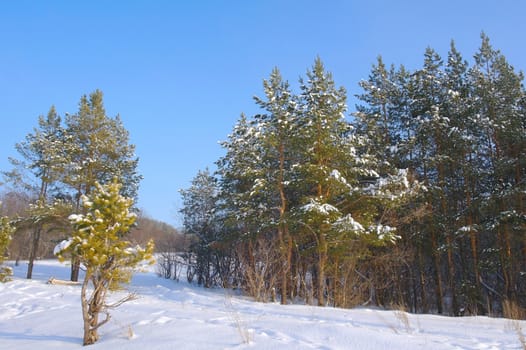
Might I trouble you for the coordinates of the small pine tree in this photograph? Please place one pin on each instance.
(99, 243)
(6, 229)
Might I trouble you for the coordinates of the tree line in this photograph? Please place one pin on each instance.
(416, 201)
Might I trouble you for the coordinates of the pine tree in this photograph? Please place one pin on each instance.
(68, 160)
(500, 104)
(238, 170)
(44, 156)
(335, 176)
(464, 169)
(278, 127)
(377, 121)
(6, 230)
(200, 220)
(99, 242)
(257, 173)
(100, 151)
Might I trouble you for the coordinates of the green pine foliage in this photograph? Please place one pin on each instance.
(460, 131)
(201, 224)
(99, 149)
(418, 201)
(6, 230)
(99, 242)
(299, 178)
(63, 159)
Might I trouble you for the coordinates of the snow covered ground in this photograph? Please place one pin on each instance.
(176, 315)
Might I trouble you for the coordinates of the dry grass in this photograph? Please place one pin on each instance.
(515, 314)
(403, 320)
(130, 334)
(403, 324)
(244, 332)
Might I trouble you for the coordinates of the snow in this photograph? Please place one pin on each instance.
(320, 208)
(75, 218)
(177, 315)
(63, 245)
(347, 223)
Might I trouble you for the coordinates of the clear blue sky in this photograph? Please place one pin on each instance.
(181, 72)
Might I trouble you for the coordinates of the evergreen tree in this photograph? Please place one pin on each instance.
(464, 169)
(238, 171)
(278, 127)
(99, 242)
(335, 177)
(377, 121)
(500, 104)
(200, 220)
(261, 174)
(6, 230)
(101, 151)
(44, 156)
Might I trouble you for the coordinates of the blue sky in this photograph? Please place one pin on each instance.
(180, 73)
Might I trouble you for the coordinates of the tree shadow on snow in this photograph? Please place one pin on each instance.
(52, 338)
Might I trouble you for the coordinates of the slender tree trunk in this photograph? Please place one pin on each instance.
(284, 265)
(33, 249)
(37, 230)
(285, 241)
(451, 269)
(438, 275)
(445, 217)
(503, 262)
(75, 263)
(322, 263)
(75, 269)
(511, 292)
(473, 241)
(422, 277)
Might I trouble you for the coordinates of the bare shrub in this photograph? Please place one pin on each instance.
(168, 265)
(260, 269)
(402, 317)
(168, 259)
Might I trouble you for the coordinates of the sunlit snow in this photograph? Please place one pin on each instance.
(178, 315)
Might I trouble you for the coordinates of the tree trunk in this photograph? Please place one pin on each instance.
(422, 277)
(33, 250)
(285, 241)
(90, 330)
(37, 231)
(436, 258)
(469, 188)
(451, 269)
(322, 263)
(75, 268)
(511, 291)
